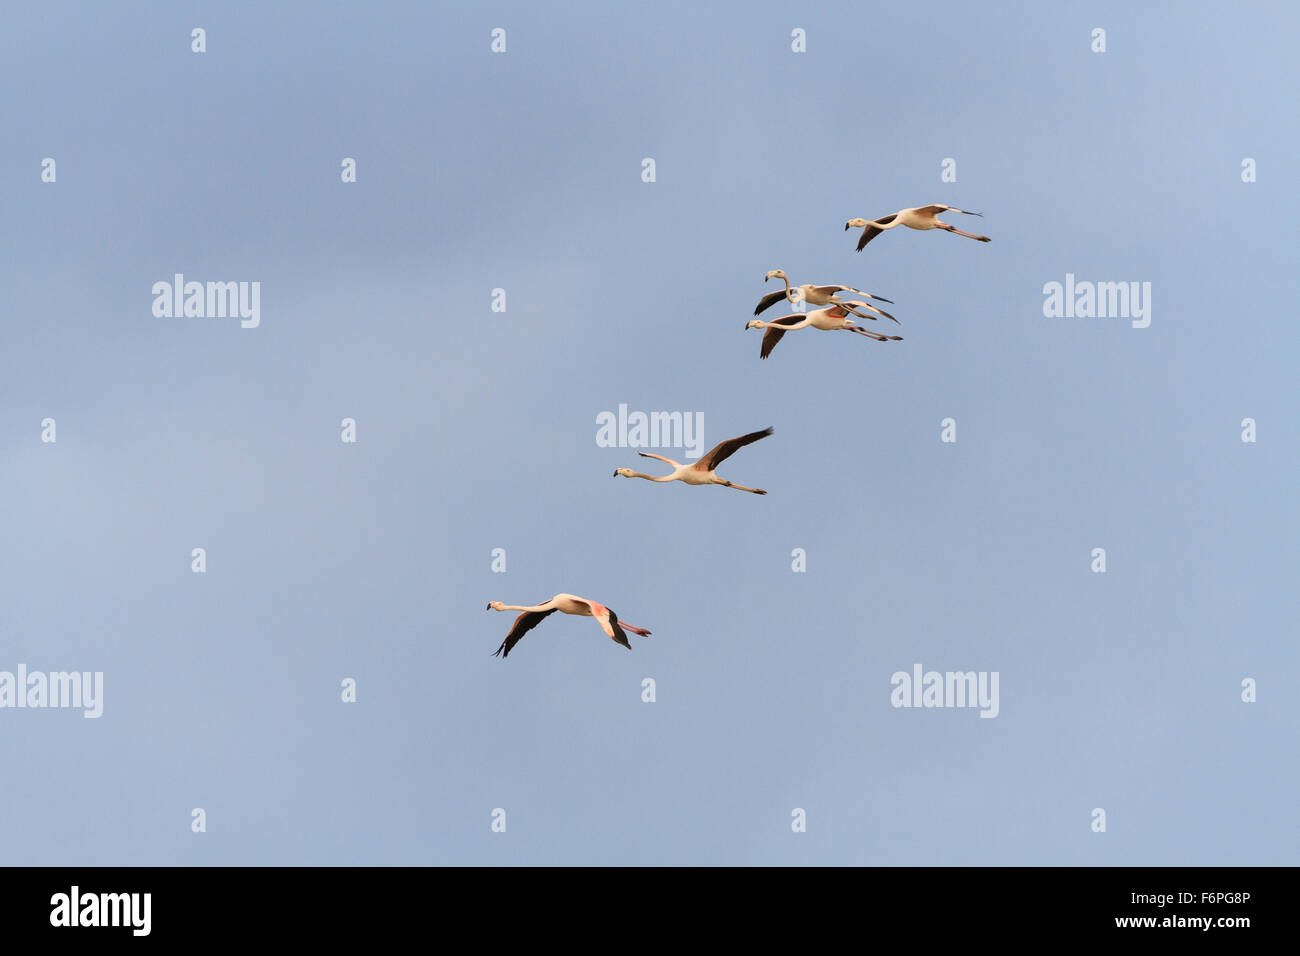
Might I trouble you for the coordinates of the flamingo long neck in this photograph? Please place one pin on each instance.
(637, 474)
(535, 607)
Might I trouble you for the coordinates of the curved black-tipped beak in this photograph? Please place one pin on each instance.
(615, 475)
(846, 227)
(765, 278)
(488, 608)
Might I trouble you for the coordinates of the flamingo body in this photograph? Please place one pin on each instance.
(533, 615)
(702, 472)
(834, 318)
(916, 217)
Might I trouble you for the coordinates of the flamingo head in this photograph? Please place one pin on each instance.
(494, 606)
(855, 224)
(625, 472)
(753, 324)
(775, 274)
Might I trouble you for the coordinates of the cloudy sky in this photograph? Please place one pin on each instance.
(476, 430)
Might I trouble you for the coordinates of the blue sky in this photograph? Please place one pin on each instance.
(477, 430)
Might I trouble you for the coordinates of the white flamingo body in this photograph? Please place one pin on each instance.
(703, 472)
(829, 320)
(533, 615)
(917, 217)
(690, 474)
(834, 318)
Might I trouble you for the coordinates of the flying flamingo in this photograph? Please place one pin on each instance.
(920, 217)
(831, 319)
(569, 604)
(816, 295)
(701, 473)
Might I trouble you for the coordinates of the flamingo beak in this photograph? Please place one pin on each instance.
(488, 608)
(615, 475)
(846, 227)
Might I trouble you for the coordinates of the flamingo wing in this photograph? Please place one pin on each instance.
(854, 306)
(726, 449)
(769, 300)
(773, 335)
(871, 231)
(939, 207)
(524, 623)
(832, 289)
(609, 624)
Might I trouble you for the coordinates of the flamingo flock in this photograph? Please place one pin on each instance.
(836, 315)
